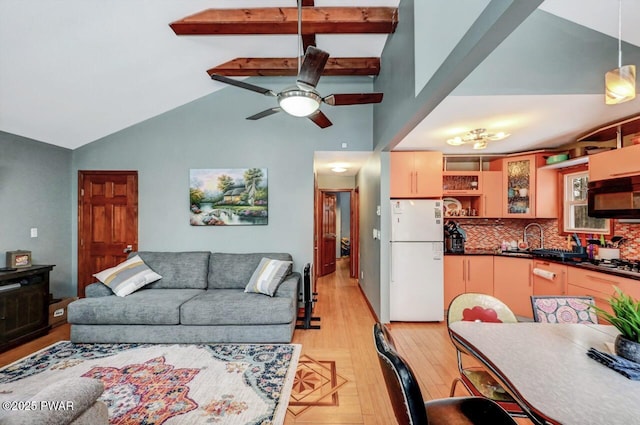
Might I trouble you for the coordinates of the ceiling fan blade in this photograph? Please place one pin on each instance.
(242, 84)
(265, 113)
(320, 119)
(311, 68)
(352, 98)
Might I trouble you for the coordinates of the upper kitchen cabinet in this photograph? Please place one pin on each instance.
(416, 174)
(477, 194)
(491, 194)
(615, 163)
(527, 190)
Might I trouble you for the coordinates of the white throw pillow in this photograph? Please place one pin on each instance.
(268, 276)
(128, 277)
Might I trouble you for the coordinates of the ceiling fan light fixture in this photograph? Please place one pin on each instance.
(299, 103)
(620, 85)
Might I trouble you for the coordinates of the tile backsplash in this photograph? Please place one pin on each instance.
(489, 234)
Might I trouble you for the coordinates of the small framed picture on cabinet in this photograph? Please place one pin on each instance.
(19, 259)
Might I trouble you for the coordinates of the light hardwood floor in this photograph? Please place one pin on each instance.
(346, 338)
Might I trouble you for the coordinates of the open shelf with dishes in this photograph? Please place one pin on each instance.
(462, 206)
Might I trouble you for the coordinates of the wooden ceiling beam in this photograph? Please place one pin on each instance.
(284, 20)
(275, 67)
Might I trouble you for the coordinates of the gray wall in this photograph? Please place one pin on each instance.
(35, 191)
(370, 258)
(212, 133)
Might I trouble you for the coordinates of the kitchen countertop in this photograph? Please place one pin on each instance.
(525, 254)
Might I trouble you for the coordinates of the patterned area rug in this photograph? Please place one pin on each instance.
(170, 383)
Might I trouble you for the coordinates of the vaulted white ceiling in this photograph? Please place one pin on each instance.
(74, 71)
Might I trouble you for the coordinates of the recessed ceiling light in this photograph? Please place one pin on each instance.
(338, 169)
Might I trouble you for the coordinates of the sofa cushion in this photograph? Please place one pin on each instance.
(128, 276)
(233, 271)
(145, 307)
(179, 270)
(236, 307)
(268, 276)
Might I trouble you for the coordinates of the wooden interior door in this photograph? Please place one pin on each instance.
(107, 221)
(328, 243)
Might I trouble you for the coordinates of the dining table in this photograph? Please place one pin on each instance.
(545, 367)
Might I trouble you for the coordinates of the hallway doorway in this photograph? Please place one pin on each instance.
(336, 230)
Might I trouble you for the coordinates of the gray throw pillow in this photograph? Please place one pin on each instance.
(268, 276)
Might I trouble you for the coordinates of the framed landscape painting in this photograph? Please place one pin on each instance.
(228, 197)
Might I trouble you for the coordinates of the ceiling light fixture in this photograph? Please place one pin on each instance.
(620, 83)
(479, 137)
(339, 167)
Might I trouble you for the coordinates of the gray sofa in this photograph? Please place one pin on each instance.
(200, 299)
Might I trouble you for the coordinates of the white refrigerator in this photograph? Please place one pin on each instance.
(417, 263)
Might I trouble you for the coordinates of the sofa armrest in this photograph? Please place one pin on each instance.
(97, 289)
(289, 288)
(67, 398)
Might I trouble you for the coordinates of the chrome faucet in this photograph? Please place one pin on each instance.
(541, 234)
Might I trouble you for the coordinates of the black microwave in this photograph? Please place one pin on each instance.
(615, 198)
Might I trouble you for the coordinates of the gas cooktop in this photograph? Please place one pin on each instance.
(559, 254)
(626, 267)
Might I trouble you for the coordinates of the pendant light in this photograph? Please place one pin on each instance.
(620, 83)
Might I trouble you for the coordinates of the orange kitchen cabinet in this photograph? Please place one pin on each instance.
(557, 285)
(513, 283)
(479, 274)
(467, 273)
(416, 174)
(600, 286)
(453, 277)
(528, 191)
(615, 163)
(491, 194)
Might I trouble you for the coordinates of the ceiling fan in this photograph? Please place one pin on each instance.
(302, 99)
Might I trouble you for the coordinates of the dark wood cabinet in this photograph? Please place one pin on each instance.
(24, 305)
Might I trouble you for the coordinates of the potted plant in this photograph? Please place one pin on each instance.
(626, 318)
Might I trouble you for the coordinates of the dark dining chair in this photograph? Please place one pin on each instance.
(406, 398)
(563, 309)
(477, 380)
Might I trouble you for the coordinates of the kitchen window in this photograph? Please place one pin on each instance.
(575, 216)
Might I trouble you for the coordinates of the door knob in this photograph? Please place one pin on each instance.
(128, 249)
